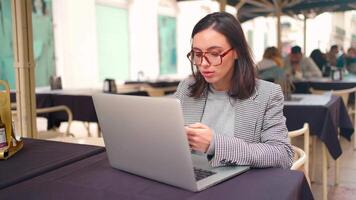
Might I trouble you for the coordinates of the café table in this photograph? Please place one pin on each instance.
(326, 115)
(94, 178)
(39, 157)
(303, 86)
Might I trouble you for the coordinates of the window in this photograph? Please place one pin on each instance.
(7, 71)
(112, 42)
(43, 41)
(167, 44)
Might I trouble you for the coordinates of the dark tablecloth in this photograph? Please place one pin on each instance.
(93, 178)
(81, 105)
(304, 86)
(38, 157)
(324, 122)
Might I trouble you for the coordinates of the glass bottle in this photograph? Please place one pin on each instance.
(3, 142)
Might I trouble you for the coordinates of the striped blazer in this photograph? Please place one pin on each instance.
(260, 133)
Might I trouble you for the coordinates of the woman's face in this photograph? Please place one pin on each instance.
(351, 53)
(216, 43)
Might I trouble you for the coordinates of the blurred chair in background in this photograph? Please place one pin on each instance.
(55, 132)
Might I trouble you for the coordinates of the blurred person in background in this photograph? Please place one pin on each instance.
(331, 56)
(319, 59)
(348, 60)
(270, 68)
(299, 66)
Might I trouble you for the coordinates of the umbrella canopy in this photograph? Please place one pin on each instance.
(249, 9)
(320, 6)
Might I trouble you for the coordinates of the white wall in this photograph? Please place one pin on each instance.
(75, 42)
(143, 33)
(350, 28)
(318, 33)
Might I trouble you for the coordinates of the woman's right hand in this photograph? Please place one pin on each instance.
(199, 136)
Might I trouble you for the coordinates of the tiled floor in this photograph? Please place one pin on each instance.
(346, 190)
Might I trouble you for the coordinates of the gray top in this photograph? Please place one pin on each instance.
(219, 115)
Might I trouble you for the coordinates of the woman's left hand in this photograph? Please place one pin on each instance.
(199, 136)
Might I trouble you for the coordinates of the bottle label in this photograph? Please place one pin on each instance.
(3, 142)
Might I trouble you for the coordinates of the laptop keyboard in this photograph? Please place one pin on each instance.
(201, 173)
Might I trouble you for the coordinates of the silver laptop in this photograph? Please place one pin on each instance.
(145, 136)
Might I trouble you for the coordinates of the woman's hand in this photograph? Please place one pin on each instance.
(199, 136)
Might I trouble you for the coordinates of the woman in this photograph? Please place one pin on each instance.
(319, 59)
(271, 66)
(350, 60)
(230, 115)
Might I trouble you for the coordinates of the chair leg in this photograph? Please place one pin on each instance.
(337, 167)
(87, 126)
(312, 163)
(324, 172)
(99, 130)
(337, 170)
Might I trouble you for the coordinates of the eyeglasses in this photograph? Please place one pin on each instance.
(213, 58)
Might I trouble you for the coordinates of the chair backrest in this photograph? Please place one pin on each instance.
(49, 134)
(302, 156)
(61, 108)
(344, 93)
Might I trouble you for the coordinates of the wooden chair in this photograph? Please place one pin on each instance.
(345, 95)
(53, 132)
(301, 160)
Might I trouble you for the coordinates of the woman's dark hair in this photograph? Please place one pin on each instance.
(319, 58)
(243, 80)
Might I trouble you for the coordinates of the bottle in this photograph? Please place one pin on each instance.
(3, 142)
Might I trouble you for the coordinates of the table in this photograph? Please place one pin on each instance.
(303, 86)
(38, 157)
(80, 101)
(94, 178)
(325, 115)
